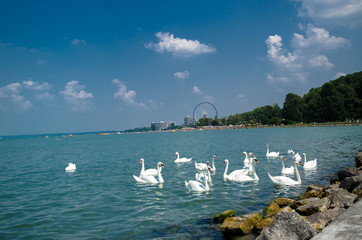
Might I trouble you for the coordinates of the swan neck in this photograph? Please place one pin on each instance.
(299, 180)
(209, 175)
(143, 167)
(206, 184)
(283, 167)
(226, 169)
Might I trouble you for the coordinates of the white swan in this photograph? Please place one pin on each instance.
(246, 160)
(309, 164)
(297, 157)
(181, 160)
(201, 166)
(150, 172)
(239, 177)
(283, 180)
(213, 168)
(202, 175)
(196, 186)
(151, 179)
(285, 170)
(246, 170)
(291, 152)
(271, 154)
(71, 167)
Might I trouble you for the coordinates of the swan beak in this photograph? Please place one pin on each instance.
(301, 163)
(256, 160)
(284, 158)
(253, 155)
(162, 166)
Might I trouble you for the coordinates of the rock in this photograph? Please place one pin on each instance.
(350, 183)
(265, 222)
(358, 159)
(271, 209)
(222, 216)
(315, 190)
(340, 197)
(299, 203)
(332, 213)
(288, 226)
(318, 221)
(358, 190)
(313, 206)
(344, 173)
(240, 225)
(281, 202)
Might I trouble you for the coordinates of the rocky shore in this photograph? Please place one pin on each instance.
(303, 218)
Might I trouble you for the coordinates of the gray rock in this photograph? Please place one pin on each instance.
(344, 174)
(332, 213)
(313, 206)
(350, 183)
(358, 159)
(318, 221)
(358, 190)
(288, 226)
(340, 197)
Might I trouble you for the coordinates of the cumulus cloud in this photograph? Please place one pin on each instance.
(15, 93)
(240, 96)
(340, 12)
(340, 74)
(77, 42)
(196, 90)
(305, 56)
(178, 46)
(182, 75)
(74, 94)
(129, 97)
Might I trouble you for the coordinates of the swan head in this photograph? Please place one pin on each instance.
(304, 155)
(141, 160)
(283, 158)
(214, 157)
(251, 154)
(160, 164)
(207, 163)
(244, 153)
(225, 161)
(297, 162)
(177, 154)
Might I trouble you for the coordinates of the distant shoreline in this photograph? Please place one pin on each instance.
(205, 128)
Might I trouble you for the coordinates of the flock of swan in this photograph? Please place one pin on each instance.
(203, 179)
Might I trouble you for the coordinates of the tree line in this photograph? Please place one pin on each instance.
(336, 100)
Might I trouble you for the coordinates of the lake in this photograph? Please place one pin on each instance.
(101, 199)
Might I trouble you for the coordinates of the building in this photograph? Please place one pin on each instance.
(155, 126)
(188, 121)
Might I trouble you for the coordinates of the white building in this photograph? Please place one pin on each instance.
(155, 126)
(188, 121)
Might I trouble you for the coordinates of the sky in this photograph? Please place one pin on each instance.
(79, 66)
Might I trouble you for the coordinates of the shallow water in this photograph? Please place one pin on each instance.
(101, 199)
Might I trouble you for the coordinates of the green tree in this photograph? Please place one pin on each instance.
(293, 107)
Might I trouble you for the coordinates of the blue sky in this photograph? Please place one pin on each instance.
(73, 66)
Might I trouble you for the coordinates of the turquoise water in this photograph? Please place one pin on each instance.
(39, 200)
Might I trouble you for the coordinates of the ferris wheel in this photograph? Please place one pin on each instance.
(204, 110)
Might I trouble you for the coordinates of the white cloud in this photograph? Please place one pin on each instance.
(339, 12)
(208, 98)
(78, 42)
(241, 96)
(36, 86)
(318, 38)
(178, 46)
(76, 96)
(12, 92)
(340, 74)
(196, 90)
(129, 97)
(305, 56)
(41, 62)
(182, 75)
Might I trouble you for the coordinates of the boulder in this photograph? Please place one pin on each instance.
(332, 213)
(350, 183)
(358, 190)
(271, 209)
(222, 216)
(318, 221)
(240, 225)
(299, 203)
(340, 197)
(314, 205)
(288, 226)
(344, 174)
(315, 190)
(281, 202)
(358, 159)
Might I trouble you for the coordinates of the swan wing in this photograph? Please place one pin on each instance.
(282, 180)
(150, 172)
